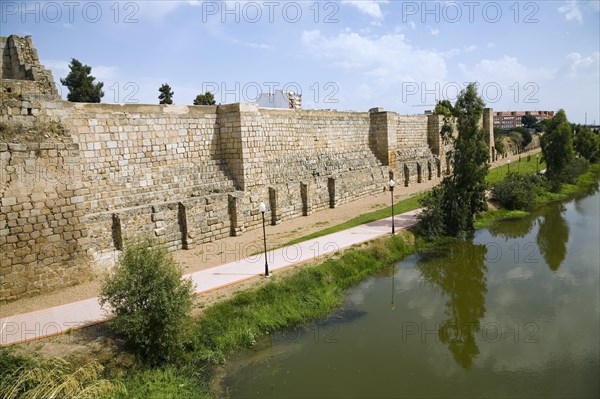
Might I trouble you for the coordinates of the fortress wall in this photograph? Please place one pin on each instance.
(139, 162)
(137, 155)
(415, 160)
(43, 241)
(300, 161)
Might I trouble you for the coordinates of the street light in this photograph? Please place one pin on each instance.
(537, 164)
(508, 165)
(263, 209)
(392, 184)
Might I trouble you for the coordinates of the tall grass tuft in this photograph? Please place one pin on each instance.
(57, 378)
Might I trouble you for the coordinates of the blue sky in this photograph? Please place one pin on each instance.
(346, 55)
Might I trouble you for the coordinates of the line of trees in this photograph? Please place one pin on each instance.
(83, 87)
(166, 96)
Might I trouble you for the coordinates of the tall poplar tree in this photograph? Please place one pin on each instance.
(557, 148)
(450, 208)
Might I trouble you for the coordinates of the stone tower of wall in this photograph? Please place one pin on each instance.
(488, 131)
(21, 71)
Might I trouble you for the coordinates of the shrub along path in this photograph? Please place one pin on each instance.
(40, 317)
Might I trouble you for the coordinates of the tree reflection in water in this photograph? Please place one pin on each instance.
(460, 274)
(553, 235)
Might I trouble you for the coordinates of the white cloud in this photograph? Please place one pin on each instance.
(369, 7)
(571, 11)
(456, 51)
(506, 70)
(434, 32)
(390, 57)
(581, 64)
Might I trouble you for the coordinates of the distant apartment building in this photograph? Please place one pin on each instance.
(280, 99)
(512, 119)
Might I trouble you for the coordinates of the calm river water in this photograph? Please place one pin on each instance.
(512, 313)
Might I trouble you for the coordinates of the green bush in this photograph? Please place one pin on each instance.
(150, 302)
(574, 169)
(431, 219)
(517, 191)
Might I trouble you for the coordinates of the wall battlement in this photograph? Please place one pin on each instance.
(183, 175)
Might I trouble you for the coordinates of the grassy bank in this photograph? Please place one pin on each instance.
(523, 166)
(567, 191)
(308, 294)
(412, 203)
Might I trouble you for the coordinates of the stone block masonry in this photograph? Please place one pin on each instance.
(179, 175)
(43, 242)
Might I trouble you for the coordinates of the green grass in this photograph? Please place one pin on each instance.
(568, 190)
(486, 219)
(498, 173)
(409, 204)
(168, 382)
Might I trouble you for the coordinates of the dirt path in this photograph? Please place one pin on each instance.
(232, 248)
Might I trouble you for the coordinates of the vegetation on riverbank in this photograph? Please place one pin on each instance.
(543, 197)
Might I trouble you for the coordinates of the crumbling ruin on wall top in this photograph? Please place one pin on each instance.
(21, 71)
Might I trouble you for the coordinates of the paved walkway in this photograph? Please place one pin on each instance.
(60, 319)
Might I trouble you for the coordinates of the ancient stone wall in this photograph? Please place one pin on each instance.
(180, 175)
(43, 241)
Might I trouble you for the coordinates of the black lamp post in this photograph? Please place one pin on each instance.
(263, 209)
(508, 165)
(392, 184)
(537, 163)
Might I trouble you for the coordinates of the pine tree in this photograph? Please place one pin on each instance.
(80, 83)
(166, 94)
(205, 99)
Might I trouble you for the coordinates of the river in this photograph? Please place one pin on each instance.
(514, 312)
